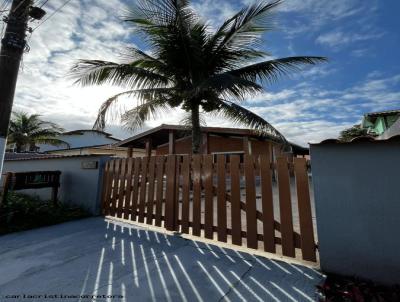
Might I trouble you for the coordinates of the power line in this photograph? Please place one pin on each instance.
(45, 1)
(51, 15)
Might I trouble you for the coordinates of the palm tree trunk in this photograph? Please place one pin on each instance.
(196, 130)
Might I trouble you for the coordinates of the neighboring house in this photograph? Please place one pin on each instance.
(81, 138)
(173, 139)
(110, 150)
(384, 124)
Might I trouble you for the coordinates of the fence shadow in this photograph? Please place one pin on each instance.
(135, 264)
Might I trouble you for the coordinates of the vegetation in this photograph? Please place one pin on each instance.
(190, 66)
(341, 289)
(22, 212)
(26, 131)
(351, 133)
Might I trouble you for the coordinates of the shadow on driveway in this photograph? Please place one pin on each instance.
(97, 257)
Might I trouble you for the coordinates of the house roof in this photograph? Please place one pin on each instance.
(39, 156)
(159, 135)
(81, 132)
(360, 139)
(382, 113)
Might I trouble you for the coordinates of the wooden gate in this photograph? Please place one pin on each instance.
(242, 200)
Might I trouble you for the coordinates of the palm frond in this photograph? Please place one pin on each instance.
(247, 25)
(271, 70)
(228, 86)
(243, 116)
(135, 118)
(96, 72)
(142, 96)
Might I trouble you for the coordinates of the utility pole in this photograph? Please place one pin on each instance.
(12, 48)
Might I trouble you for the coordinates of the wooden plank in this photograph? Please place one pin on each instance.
(209, 196)
(267, 204)
(285, 206)
(251, 207)
(122, 186)
(236, 216)
(108, 188)
(170, 193)
(185, 193)
(150, 193)
(135, 187)
(221, 198)
(106, 173)
(159, 189)
(305, 215)
(177, 184)
(128, 193)
(196, 231)
(143, 188)
(117, 167)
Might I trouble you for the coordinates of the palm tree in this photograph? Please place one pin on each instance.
(25, 131)
(354, 132)
(192, 67)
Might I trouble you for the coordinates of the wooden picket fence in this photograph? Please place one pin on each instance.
(221, 197)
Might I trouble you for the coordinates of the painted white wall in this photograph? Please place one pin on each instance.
(357, 199)
(87, 138)
(78, 186)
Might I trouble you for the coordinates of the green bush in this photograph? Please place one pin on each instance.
(22, 212)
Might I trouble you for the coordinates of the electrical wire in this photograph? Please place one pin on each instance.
(51, 15)
(44, 3)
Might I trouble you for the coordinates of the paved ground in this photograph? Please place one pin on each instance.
(99, 257)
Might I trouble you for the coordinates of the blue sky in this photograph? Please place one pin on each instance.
(360, 38)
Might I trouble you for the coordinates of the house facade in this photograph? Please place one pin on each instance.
(383, 124)
(175, 139)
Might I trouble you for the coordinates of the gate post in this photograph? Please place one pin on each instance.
(170, 203)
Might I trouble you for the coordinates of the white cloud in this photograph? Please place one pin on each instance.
(338, 39)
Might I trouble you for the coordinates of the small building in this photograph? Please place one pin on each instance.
(110, 150)
(175, 139)
(383, 124)
(81, 138)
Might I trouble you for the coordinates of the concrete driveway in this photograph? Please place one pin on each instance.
(97, 257)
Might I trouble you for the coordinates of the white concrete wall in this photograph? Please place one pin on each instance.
(77, 141)
(357, 197)
(78, 186)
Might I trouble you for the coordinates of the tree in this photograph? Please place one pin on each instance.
(188, 65)
(354, 132)
(26, 131)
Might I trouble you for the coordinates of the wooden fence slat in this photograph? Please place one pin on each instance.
(170, 193)
(304, 205)
(122, 186)
(196, 195)
(104, 186)
(236, 216)
(285, 206)
(267, 204)
(128, 193)
(209, 196)
(135, 187)
(185, 193)
(221, 198)
(117, 169)
(177, 197)
(143, 188)
(251, 206)
(107, 193)
(150, 194)
(159, 190)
